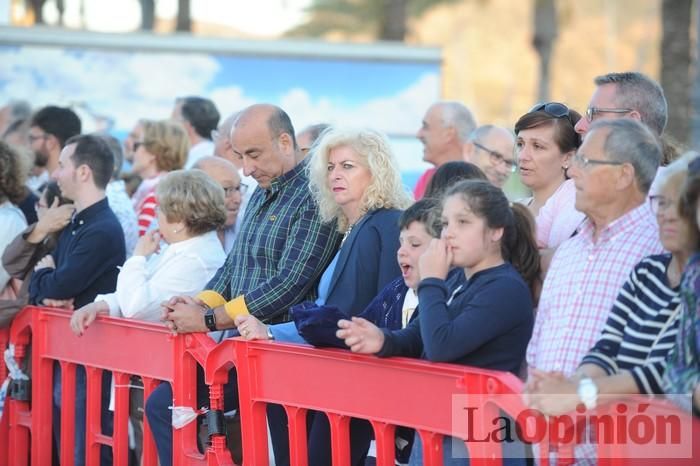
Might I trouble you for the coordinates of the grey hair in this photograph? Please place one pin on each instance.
(629, 141)
(458, 116)
(636, 91)
(680, 165)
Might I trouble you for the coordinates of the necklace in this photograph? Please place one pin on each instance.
(346, 234)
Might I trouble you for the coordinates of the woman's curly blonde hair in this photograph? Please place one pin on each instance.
(13, 173)
(385, 190)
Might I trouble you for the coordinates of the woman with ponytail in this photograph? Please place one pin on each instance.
(475, 294)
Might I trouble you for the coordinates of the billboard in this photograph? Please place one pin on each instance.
(113, 80)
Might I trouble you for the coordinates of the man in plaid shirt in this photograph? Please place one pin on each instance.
(282, 247)
(276, 261)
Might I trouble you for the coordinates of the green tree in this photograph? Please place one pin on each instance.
(384, 19)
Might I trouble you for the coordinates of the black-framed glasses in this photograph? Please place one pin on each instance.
(496, 157)
(582, 161)
(591, 112)
(241, 188)
(660, 203)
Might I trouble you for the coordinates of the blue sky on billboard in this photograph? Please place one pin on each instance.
(126, 85)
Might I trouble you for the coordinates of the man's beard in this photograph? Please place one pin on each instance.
(40, 159)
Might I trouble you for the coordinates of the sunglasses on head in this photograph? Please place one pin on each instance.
(555, 109)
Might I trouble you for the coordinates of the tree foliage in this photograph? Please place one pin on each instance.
(382, 19)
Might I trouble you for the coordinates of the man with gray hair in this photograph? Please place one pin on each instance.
(491, 148)
(613, 170)
(445, 128)
(627, 95)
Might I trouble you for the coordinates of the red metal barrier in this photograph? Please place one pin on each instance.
(4, 423)
(388, 393)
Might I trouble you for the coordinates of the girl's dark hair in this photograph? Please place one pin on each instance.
(518, 245)
(450, 173)
(565, 136)
(52, 191)
(425, 211)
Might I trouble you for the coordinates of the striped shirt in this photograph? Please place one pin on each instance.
(642, 326)
(583, 281)
(281, 250)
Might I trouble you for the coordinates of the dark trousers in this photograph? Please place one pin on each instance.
(160, 417)
(319, 438)
(80, 411)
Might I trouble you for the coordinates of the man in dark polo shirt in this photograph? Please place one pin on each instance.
(84, 263)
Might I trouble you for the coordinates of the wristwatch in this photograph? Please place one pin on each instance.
(588, 392)
(270, 336)
(210, 319)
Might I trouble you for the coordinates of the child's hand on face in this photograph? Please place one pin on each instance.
(436, 260)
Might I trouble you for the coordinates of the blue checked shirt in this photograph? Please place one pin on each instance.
(281, 250)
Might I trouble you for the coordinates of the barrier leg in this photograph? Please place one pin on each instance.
(18, 439)
(340, 439)
(384, 435)
(298, 441)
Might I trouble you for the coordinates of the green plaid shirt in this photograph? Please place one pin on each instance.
(281, 250)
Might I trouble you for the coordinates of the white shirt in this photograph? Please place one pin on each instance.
(12, 223)
(250, 182)
(203, 148)
(35, 182)
(182, 268)
(122, 207)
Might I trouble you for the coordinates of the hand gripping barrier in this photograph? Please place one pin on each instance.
(343, 385)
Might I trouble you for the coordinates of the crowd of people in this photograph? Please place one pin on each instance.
(243, 227)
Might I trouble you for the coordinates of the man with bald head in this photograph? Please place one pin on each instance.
(276, 261)
(225, 173)
(444, 130)
(491, 148)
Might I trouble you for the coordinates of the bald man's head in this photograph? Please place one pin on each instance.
(226, 175)
(263, 136)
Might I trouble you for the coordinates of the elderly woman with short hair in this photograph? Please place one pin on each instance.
(191, 209)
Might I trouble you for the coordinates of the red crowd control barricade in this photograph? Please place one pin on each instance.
(388, 393)
(4, 425)
(436, 399)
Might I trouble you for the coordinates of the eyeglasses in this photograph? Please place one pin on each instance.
(591, 112)
(496, 157)
(138, 144)
(582, 161)
(661, 203)
(555, 109)
(241, 188)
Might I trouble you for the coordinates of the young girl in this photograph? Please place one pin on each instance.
(481, 312)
